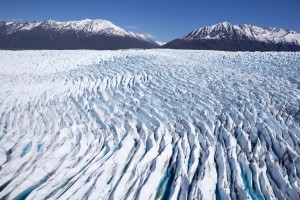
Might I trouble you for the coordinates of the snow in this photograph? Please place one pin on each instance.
(160, 43)
(225, 30)
(149, 124)
(88, 26)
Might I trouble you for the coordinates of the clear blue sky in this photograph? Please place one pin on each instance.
(164, 19)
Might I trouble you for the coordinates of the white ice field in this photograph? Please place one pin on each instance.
(149, 124)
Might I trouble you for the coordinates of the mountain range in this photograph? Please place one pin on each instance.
(102, 34)
(84, 34)
(227, 37)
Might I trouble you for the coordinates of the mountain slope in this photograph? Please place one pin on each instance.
(84, 34)
(225, 36)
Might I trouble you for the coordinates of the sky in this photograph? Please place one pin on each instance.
(163, 20)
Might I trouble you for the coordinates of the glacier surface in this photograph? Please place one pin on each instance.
(149, 124)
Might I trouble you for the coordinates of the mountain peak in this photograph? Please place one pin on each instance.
(245, 37)
(226, 30)
(51, 21)
(225, 24)
(80, 30)
(88, 26)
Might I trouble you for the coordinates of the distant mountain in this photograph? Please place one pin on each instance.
(160, 43)
(246, 37)
(84, 34)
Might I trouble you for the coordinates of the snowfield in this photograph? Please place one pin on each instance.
(149, 124)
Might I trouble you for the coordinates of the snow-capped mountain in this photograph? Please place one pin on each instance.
(246, 37)
(84, 34)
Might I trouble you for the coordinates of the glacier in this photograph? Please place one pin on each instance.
(149, 124)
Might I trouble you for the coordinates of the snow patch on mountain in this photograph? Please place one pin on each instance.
(160, 43)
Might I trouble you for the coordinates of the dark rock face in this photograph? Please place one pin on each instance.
(47, 37)
(229, 45)
(228, 37)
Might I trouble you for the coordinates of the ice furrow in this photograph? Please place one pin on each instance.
(149, 124)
